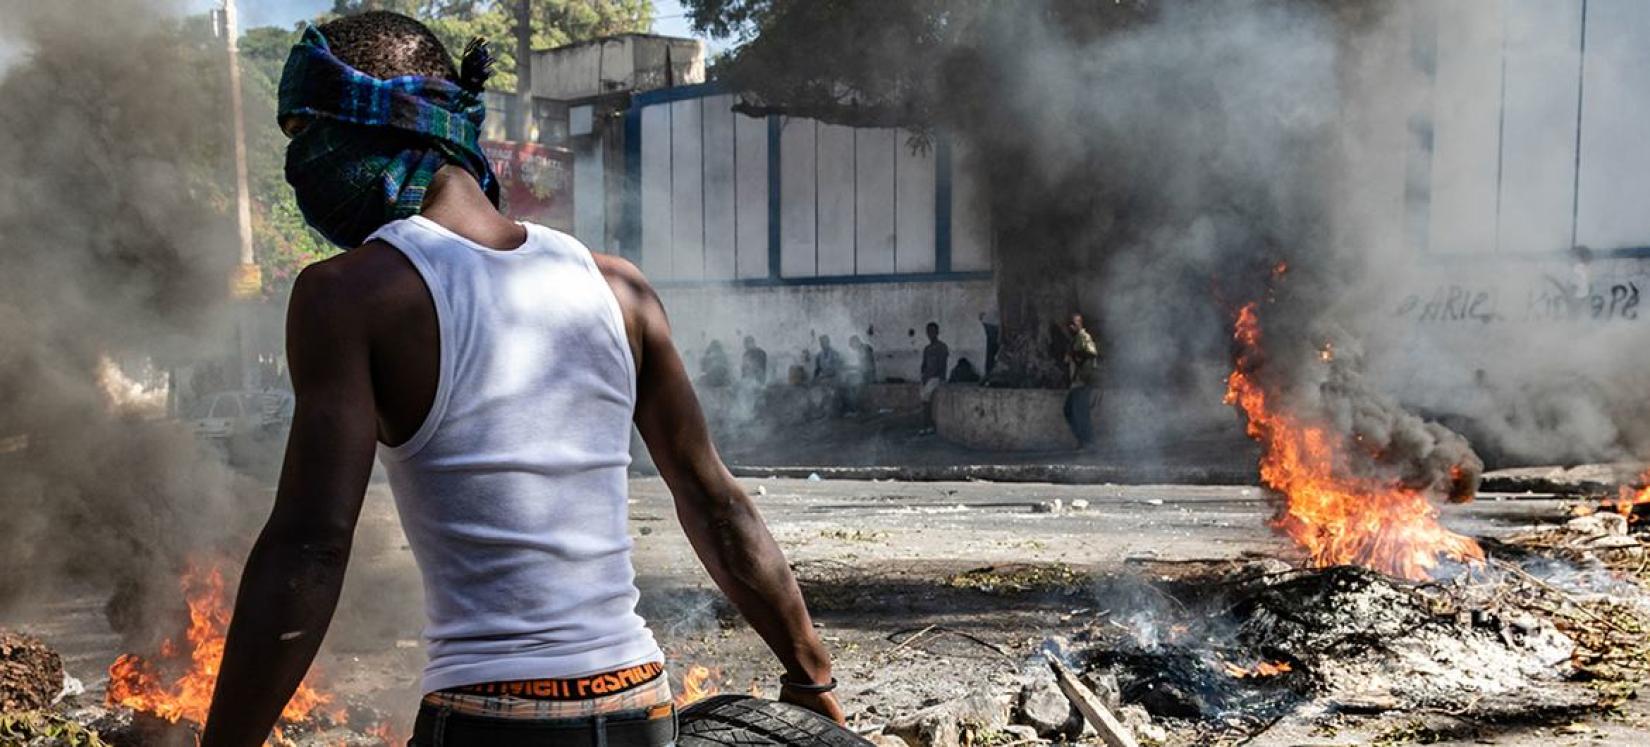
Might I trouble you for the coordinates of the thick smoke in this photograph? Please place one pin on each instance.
(115, 247)
(1211, 140)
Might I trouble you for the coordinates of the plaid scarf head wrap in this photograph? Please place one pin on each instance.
(372, 146)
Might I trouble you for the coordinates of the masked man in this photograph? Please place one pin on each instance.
(494, 368)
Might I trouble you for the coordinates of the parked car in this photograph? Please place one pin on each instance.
(231, 414)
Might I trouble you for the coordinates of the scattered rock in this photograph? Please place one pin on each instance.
(1047, 710)
(1020, 733)
(72, 688)
(31, 673)
(954, 723)
(1598, 524)
(884, 739)
(1139, 722)
(1079, 505)
(1105, 685)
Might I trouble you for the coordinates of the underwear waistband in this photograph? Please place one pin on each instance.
(572, 688)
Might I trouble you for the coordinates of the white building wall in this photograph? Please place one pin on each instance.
(875, 201)
(834, 175)
(721, 193)
(751, 196)
(1615, 142)
(1495, 295)
(798, 206)
(657, 240)
(687, 190)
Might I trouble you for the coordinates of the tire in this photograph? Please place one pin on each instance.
(743, 721)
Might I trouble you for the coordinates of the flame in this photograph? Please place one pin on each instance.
(698, 683)
(138, 684)
(1339, 519)
(1629, 497)
(1262, 669)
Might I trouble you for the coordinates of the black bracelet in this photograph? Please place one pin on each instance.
(807, 687)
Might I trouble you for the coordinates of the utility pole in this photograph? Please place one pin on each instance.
(521, 125)
(247, 279)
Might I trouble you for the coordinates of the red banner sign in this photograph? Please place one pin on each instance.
(535, 181)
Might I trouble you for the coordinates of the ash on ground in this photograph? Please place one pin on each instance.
(1233, 650)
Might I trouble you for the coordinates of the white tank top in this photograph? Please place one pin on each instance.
(513, 491)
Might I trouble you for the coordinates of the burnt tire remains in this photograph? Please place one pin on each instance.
(742, 720)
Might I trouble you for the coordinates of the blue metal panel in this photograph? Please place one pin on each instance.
(630, 237)
(678, 93)
(927, 277)
(942, 204)
(773, 196)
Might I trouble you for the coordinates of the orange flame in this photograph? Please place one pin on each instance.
(137, 683)
(1339, 519)
(1629, 497)
(1262, 669)
(698, 683)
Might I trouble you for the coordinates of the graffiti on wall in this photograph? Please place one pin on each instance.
(1551, 299)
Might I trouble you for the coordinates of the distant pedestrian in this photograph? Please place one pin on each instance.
(934, 358)
(865, 361)
(1083, 358)
(714, 369)
(828, 364)
(993, 336)
(753, 368)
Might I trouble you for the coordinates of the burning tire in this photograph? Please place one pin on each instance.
(750, 722)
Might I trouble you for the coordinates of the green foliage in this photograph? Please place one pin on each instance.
(282, 243)
(45, 728)
(555, 22)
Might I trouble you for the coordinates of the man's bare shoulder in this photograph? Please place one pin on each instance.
(374, 278)
(635, 294)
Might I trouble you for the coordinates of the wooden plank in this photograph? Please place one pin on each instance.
(1112, 731)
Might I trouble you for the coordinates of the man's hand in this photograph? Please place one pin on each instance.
(824, 704)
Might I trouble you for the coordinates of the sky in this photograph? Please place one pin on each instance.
(668, 16)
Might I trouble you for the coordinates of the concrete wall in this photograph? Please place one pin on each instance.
(632, 62)
(991, 419)
(786, 318)
(1502, 186)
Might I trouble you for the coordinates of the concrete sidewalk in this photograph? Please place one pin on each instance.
(1589, 479)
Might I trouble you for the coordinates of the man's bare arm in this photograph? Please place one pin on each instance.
(721, 521)
(292, 579)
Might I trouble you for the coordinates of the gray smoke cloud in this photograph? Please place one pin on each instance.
(1206, 144)
(115, 248)
(1187, 152)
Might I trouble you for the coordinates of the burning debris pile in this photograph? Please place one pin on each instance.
(161, 697)
(1356, 473)
(1222, 653)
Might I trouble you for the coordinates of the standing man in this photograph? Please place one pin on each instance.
(828, 364)
(753, 368)
(1083, 360)
(935, 356)
(993, 336)
(502, 418)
